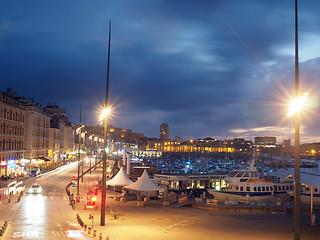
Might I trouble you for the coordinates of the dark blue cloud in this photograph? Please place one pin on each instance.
(208, 68)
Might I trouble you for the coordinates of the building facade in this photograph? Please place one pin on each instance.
(12, 128)
(37, 132)
(266, 141)
(25, 134)
(164, 132)
(62, 135)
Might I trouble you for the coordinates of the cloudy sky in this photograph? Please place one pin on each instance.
(214, 68)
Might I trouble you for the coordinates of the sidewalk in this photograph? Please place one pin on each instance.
(154, 221)
(8, 209)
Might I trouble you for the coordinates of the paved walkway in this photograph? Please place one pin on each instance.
(8, 208)
(154, 221)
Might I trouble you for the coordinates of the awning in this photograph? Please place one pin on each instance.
(44, 159)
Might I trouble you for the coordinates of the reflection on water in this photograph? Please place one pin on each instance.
(34, 212)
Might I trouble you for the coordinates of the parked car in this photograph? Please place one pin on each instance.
(35, 172)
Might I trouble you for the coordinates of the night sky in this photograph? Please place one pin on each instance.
(222, 69)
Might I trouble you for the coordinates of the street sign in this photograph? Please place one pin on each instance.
(73, 185)
(74, 178)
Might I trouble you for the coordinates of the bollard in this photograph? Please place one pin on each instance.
(1, 232)
(89, 230)
(85, 228)
(100, 236)
(94, 233)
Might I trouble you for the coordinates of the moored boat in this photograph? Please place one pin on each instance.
(245, 186)
(305, 194)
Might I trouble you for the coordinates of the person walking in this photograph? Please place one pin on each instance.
(313, 220)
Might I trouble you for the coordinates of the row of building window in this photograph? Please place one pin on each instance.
(40, 145)
(11, 130)
(10, 157)
(41, 122)
(14, 116)
(11, 145)
(40, 133)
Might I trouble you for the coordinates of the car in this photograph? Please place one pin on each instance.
(35, 189)
(35, 172)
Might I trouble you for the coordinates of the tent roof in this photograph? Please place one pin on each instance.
(120, 179)
(144, 183)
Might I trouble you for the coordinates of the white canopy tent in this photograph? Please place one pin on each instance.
(144, 184)
(120, 179)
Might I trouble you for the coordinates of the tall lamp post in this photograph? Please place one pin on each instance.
(79, 156)
(105, 156)
(297, 197)
(295, 108)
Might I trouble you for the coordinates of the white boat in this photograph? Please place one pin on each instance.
(305, 194)
(309, 180)
(247, 185)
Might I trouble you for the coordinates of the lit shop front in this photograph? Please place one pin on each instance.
(185, 182)
(35, 162)
(3, 168)
(11, 168)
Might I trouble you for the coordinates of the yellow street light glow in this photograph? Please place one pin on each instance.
(79, 128)
(105, 113)
(297, 104)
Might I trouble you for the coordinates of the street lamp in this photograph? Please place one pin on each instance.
(104, 116)
(297, 197)
(105, 112)
(297, 104)
(78, 131)
(295, 108)
(105, 156)
(83, 135)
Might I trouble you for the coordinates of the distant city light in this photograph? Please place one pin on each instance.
(297, 104)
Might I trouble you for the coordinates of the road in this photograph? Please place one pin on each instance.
(47, 215)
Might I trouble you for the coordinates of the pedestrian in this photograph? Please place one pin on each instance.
(313, 220)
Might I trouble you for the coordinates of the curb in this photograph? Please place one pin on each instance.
(90, 231)
(3, 228)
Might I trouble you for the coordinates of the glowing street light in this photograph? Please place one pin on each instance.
(297, 104)
(79, 129)
(105, 113)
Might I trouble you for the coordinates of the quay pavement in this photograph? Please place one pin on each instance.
(127, 221)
